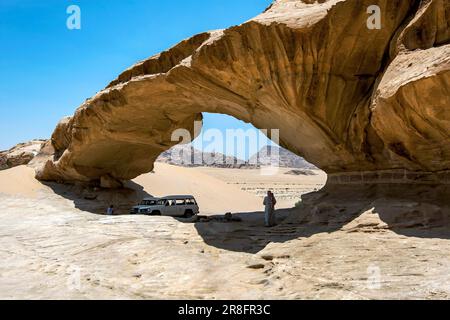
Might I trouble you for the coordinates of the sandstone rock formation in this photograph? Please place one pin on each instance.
(20, 154)
(349, 99)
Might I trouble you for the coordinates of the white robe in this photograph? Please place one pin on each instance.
(269, 214)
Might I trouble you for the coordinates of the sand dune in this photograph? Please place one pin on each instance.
(213, 195)
(217, 190)
(20, 181)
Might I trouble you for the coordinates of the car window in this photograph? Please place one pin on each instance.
(148, 203)
(180, 202)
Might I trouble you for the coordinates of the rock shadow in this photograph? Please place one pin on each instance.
(96, 200)
(247, 235)
(413, 211)
(409, 210)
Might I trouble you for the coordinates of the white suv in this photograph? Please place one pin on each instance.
(175, 206)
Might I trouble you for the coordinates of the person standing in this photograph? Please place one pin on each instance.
(273, 219)
(110, 210)
(269, 214)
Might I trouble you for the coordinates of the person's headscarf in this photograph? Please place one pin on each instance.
(272, 196)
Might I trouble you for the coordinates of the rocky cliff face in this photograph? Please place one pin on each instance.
(349, 99)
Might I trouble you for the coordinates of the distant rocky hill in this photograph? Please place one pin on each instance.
(276, 156)
(21, 154)
(188, 156)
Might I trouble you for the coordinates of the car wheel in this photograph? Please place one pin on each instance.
(188, 213)
(156, 213)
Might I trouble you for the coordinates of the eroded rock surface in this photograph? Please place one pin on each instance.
(346, 98)
(21, 154)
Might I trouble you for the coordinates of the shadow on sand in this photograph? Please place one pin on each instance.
(247, 235)
(413, 211)
(96, 200)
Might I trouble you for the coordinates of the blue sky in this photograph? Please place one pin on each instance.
(48, 70)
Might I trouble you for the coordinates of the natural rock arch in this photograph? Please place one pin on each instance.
(353, 101)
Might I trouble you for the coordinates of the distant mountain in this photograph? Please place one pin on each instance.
(276, 156)
(188, 156)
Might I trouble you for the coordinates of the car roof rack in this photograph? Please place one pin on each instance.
(179, 197)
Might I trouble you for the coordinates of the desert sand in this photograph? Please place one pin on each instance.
(20, 181)
(218, 191)
(213, 195)
(287, 188)
(52, 249)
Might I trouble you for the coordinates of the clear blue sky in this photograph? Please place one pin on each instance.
(48, 70)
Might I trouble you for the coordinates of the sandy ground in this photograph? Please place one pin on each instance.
(287, 188)
(19, 181)
(51, 249)
(213, 195)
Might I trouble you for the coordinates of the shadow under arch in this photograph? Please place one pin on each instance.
(420, 212)
(96, 200)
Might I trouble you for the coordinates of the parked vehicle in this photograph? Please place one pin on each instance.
(174, 206)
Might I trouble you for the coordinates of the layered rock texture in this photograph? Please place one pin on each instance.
(349, 99)
(21, 154)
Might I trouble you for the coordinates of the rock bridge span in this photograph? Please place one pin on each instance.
(346, 98)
